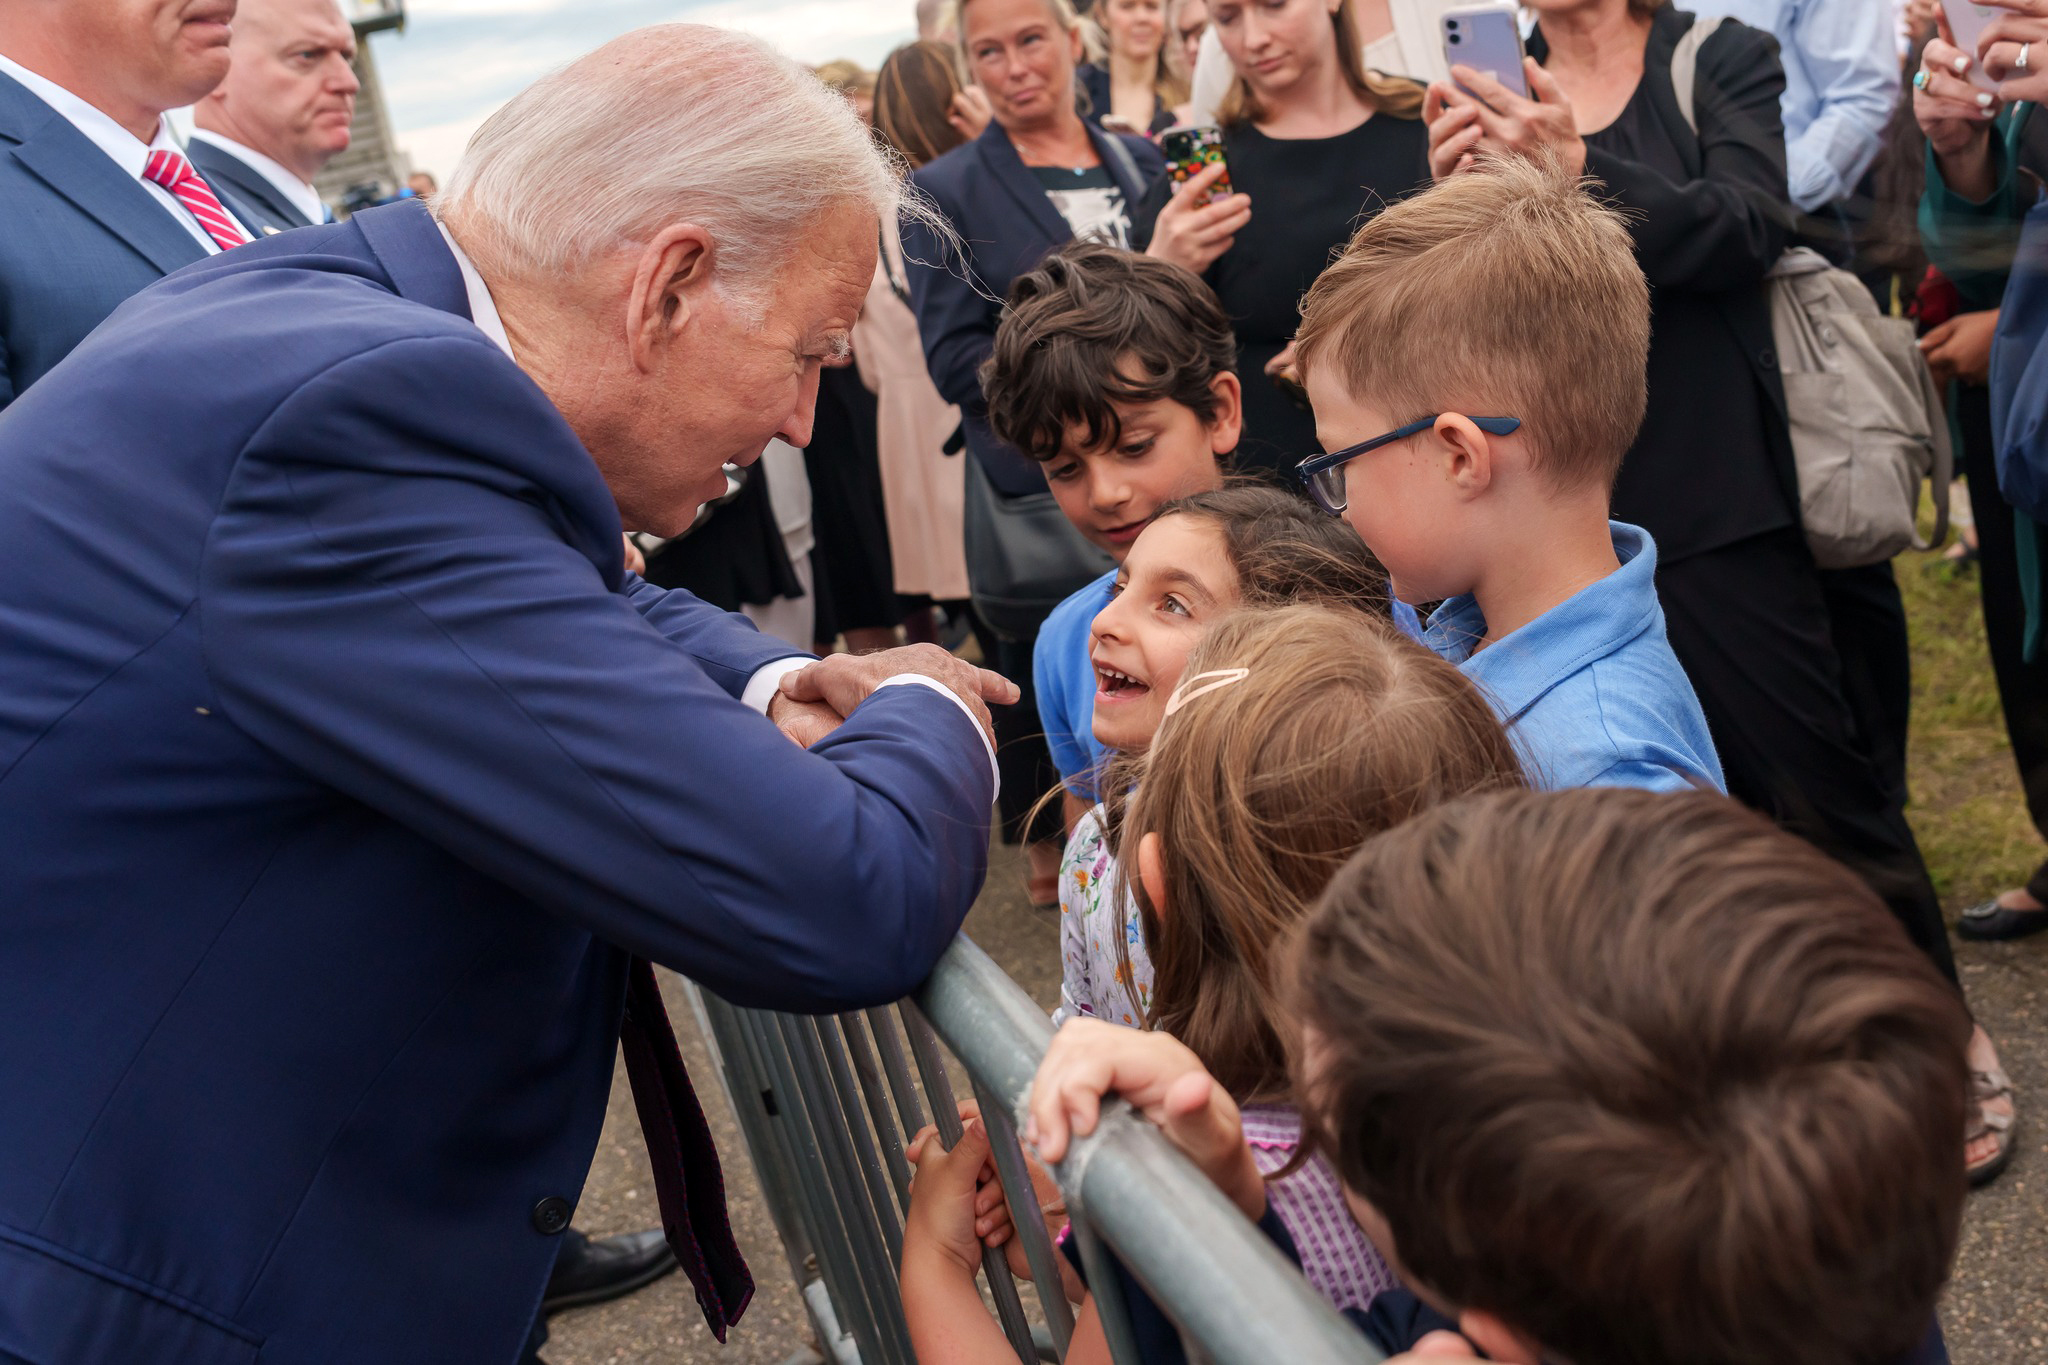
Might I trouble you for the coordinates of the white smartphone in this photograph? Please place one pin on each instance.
(1967, 20)
(1486, 38)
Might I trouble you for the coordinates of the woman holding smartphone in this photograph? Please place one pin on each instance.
(1137, 85)
(1036, 178)
(1711, 475)
(1313, 143)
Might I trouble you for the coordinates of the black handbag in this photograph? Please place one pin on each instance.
(1023, 556)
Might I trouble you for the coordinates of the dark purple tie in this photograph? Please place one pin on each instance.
(687, 1178)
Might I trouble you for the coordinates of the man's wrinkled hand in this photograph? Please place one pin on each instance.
(806, 722)
(844, 681)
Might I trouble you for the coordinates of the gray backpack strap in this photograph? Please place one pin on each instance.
(1685, 60)
(1124, 160)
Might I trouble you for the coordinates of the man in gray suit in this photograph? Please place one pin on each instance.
(282, 113)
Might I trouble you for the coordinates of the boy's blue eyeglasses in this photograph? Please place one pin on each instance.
(1324, 474)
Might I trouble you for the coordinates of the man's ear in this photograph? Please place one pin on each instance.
(1468, 454)
(1226, 429)
(1500, 1341)
(670, 278)
(1152, 871)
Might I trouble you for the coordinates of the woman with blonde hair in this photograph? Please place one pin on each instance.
(1315, 143)
(1136, 82)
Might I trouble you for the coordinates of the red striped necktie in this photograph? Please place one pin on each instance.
(175, 174)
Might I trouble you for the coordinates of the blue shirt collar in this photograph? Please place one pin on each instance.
(1591, 624)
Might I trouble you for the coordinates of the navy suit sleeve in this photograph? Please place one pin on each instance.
(724, 643)
(396, 605)
(6, 373)
(1727, 228)
(955, 320)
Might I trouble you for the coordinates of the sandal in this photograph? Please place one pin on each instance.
(1988, 1088)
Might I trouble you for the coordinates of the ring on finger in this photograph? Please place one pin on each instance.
(2021, 64)
(1920, 79)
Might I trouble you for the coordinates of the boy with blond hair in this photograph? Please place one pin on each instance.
(1476, 361)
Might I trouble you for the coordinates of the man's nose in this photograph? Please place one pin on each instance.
(796, 428)
(344, 80)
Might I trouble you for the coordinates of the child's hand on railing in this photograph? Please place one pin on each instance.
(941, 1220)
(1164, 1080)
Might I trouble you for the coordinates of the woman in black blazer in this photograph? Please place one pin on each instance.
(1036, 178)
(1711, 475)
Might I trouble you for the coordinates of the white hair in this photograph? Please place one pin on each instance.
(667, 124)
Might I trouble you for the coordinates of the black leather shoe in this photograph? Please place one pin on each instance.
(589, 1271)
(1994, 921)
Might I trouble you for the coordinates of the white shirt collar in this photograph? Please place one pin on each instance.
(129, 152)
(297, 192)
(482, 311)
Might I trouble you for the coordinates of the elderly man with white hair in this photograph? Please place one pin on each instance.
(349, 782)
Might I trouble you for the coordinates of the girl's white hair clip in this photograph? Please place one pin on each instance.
(1216, 678)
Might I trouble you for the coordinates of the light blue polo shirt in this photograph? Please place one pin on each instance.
(1590, 690)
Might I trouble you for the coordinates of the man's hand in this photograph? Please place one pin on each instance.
(806, 722)
(844, 681)
(1961, 348)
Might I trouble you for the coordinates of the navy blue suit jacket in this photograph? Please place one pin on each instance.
(336, 800)
(77, 236)
(261, 206)
(1007, 226)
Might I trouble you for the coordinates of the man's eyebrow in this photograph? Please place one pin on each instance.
(839, 344)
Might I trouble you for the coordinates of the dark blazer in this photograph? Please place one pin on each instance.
(77, 236)
(1006, 226)
(1709, 237)
(261, 206)
(334, 805)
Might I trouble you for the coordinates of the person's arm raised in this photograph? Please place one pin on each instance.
(404, 601)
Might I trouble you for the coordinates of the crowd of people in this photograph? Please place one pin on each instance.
(1422, 671)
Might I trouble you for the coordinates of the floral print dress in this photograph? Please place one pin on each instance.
(1092, 919)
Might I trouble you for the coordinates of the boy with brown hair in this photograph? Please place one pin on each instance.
(1476, 359)
(1610, 1078)
(1114, 371)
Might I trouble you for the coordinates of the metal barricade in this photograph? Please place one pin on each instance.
(827, 1106)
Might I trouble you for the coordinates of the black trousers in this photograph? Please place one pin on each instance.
(1867, 618)
(1750, 624)
(2022, 686)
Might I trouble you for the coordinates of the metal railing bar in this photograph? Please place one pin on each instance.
(837, 1259)
(897, 1068)
(924, 1047)
(872, 1264)
(1030, 1224)
(874, 1091)
(1185, 1243)
(1108, 1293)
(866, 1155)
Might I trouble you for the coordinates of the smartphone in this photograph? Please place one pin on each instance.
(1486, 38)
(1190, 151)
(1967, 20)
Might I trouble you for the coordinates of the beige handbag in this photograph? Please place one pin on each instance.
(1867, 422)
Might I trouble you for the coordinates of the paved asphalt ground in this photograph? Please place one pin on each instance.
(1996, 1312)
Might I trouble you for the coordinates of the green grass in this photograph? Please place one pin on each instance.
(1967, 808)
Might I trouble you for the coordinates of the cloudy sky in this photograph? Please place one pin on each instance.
(458, 60)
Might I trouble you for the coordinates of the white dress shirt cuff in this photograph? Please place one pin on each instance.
(761, 687)
(995, 773)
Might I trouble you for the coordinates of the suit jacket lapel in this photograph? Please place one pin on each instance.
(67, 161)
(1016, 178)
(223, 168)
(407, 244)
